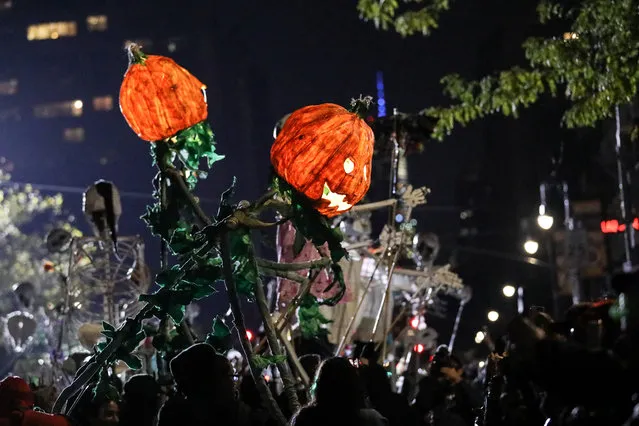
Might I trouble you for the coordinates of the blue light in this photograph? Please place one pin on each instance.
(399, 218)
(381, 100)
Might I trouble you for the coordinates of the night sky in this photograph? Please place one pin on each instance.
(263, 59)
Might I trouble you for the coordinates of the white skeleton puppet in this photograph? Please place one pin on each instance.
(102, 207)
(353, 322)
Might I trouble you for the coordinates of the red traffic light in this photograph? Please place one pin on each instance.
(414, 322)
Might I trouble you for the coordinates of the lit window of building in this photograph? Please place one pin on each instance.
(52, 30)
(75, 134)
(59, 109)
(97, 23)
(103, 103)
(12, 114)
(5, 5)
(9, 87)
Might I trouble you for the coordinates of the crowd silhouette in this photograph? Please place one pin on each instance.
(580, 371)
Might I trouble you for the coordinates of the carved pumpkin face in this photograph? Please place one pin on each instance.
(158, 98)
(325, 152)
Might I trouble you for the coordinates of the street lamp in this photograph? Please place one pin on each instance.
(544, 220)
(479, 337)
(531, 246)
(493, 316)
(509, 290)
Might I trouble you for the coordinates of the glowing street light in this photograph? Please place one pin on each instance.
(509, 290)
(479, 337)
(544, 220)
(531, 246)
(493, 316)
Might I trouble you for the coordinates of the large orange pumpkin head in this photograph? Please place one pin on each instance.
(158, 98)
(325, 152)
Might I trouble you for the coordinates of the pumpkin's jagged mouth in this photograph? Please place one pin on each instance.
(335, 199)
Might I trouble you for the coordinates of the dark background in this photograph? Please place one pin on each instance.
(263, 59)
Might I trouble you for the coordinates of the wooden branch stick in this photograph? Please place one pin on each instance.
(290, 349)
(295, 266)
(292, 307)
(177, 178)
(271, 336)
(238, 320)
(289, 275)
(361, 208)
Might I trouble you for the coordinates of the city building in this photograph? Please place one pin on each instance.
(60, 76)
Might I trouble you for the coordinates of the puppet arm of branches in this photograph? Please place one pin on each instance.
(392, 14)
(239, 217)
(178, 180)
(305, 288)
(276, 349)
(297, 266)
(238, 319)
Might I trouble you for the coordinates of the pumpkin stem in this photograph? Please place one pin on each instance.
(361, 105)
(136, 56)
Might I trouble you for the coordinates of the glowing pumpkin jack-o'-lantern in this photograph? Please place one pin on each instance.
(325, 152)
(159, 98)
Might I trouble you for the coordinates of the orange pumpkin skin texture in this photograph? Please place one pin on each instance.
(325, 147)
(158, 98)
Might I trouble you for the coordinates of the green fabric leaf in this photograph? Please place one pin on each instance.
(220, 336)
(193, 145)
(309, 223)
(244, 265)
(176, 312)
(161, 223)
(206, 273)
(108, 330)
(173, 302)
(312, 322)
(168, 278)
(132, 361)
(182, 241)
(103, 389)
(264, 361)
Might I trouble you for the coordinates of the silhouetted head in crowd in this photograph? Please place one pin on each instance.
(376, 381)
(105, 412)
(310, 363)
(202, 374)
(338, 386)
(582, 317)
(140, 400)
(443, 359)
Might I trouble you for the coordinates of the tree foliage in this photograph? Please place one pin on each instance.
(22, 248)
(407, 17)
(592, 64)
